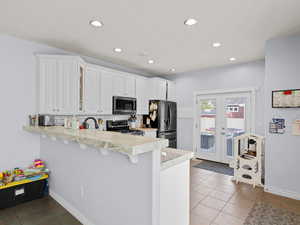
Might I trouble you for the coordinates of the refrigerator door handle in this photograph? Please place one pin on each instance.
(169, 116)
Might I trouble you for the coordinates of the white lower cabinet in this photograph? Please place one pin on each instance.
(142, 95)
(175, 194)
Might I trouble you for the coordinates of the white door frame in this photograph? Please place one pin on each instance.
(251, 90)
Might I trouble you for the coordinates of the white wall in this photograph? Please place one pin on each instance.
(18, 96)
(228, 77)
(282, 151)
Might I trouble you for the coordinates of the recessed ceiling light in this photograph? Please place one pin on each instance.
(216, 44)
(117, 49)
(232, 59)
(172, 70)
(150, 61)
(190, 22)
(96, 23)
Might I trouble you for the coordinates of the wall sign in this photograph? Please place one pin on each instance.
(296, 127)
(286, 98)
(277, 126)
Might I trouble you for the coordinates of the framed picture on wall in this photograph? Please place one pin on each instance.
(286, 98)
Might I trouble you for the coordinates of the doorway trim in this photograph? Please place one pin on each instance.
(251, 90)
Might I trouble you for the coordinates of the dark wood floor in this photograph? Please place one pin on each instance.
(44, 211)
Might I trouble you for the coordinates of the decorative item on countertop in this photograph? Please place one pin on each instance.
(101, 124)
(277, 126)
(132, 121)
(75, 123)
(67, 123)
(33, 120)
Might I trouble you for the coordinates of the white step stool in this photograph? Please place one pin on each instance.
(248, 155)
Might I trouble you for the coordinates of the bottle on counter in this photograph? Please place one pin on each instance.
(75, 123)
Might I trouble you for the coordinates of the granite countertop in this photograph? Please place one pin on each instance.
(171, 157)
(145, 129)
(125, 143)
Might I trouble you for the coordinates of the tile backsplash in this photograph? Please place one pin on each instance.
(59, 120)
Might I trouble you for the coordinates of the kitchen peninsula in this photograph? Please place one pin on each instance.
(112, 178)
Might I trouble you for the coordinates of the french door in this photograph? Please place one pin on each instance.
(218, 119)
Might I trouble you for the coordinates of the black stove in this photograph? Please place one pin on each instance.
(121, 126)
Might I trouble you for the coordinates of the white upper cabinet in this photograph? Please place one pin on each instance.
(118, 84)
(171, 91)
(123, 84)
(159, 88)
(106, 93)
(47, 90)
(58, 84)
(130, 90)
(67, 85)
(98, 90)
(143, 91)
(92, 90)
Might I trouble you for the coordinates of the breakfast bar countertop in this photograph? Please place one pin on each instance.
(171, 157)
(124, 143)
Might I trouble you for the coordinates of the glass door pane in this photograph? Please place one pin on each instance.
(235, 120)
(207, 127)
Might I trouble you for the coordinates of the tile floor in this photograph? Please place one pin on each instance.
(216, 200)
(44, 211)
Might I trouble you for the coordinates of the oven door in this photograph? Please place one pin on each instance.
(124, 105)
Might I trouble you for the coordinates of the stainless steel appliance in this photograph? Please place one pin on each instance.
(163, 116)
(46, 120)
(124, 105)
(122, 127)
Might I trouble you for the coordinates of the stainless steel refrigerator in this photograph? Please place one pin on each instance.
(163, 116)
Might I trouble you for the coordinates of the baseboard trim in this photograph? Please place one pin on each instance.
(78, 215)
(281, 192)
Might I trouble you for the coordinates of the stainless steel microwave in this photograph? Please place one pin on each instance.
(124, 105)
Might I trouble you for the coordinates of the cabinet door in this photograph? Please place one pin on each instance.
(159, 89)
(162, 89)
(142, 95)
(66, 86)
(130, 86)
(171, 91)
(106, 92)
(91, 90)
(118, 84)
(47, 86)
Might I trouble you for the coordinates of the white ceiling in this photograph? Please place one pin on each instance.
(154, 28)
